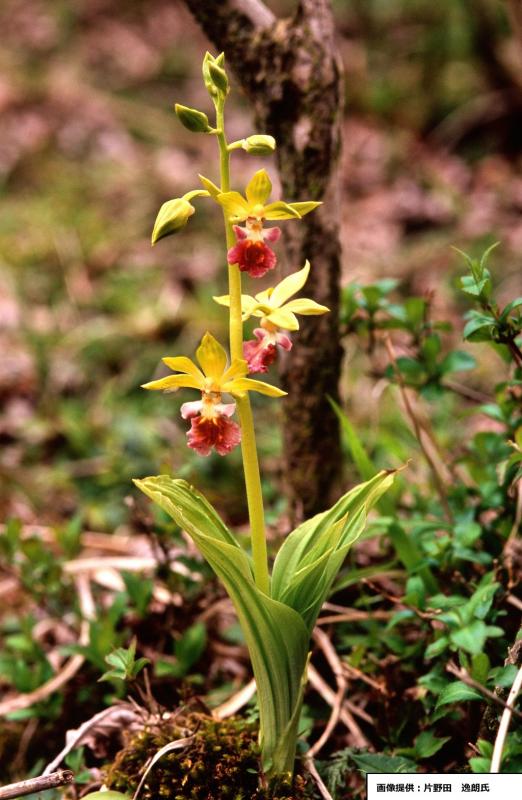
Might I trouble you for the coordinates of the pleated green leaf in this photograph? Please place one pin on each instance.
(276, 636)
(313, 553)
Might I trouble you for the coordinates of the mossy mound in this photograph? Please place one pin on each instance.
(221, 763)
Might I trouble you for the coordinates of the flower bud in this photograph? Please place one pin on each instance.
(259, 145)
(192, 119)
(218, 77)
(172, 216)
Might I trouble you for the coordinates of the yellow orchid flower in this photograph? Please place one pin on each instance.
(254, 205)
(272, 306)
(214, 376)
(210, 426)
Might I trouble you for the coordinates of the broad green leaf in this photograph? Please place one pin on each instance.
(310, 557)
(275, 634)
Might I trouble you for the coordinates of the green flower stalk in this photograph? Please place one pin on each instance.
(277, 611)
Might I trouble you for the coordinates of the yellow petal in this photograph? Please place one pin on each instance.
(212, 357)
(259, 188)
(242, 385)
(173, 383)
(237, 369)
(305, 207)
(234, 204)
(248, 303)
(264, 297)
(305, 306)
(222, 300)
(183, 364)
(280, 210)
(284, 319)
(289, 286)
(211, 188)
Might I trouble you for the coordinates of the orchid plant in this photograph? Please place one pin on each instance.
(277, 611)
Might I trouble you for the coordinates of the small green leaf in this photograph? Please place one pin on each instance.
(471, 638)
(437, 647)
(457, 692)
(480, 667)
(427, 744)
(382, 763)
(457, 361)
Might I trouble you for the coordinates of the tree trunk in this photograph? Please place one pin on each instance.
(290, 71)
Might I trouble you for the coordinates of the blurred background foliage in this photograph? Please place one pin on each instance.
(90, 148)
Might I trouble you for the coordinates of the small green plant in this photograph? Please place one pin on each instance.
(277, 611)
(452, 534)
(125, 665)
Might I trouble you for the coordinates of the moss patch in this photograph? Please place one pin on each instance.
(222, 761)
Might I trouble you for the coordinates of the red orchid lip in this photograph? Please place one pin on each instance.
(218, 433)
(260, 354)
(251, 253)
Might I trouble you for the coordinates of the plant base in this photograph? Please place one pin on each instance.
(221, 762)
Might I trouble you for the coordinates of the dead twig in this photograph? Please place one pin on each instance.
(353, 615)
(234, 703)
(347, 712)
(335, 664)
(122, 715)
(40, 784)
(504, 723)
(178, 744)
(312, 769)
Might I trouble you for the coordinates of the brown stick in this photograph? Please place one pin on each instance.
(40, 784)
